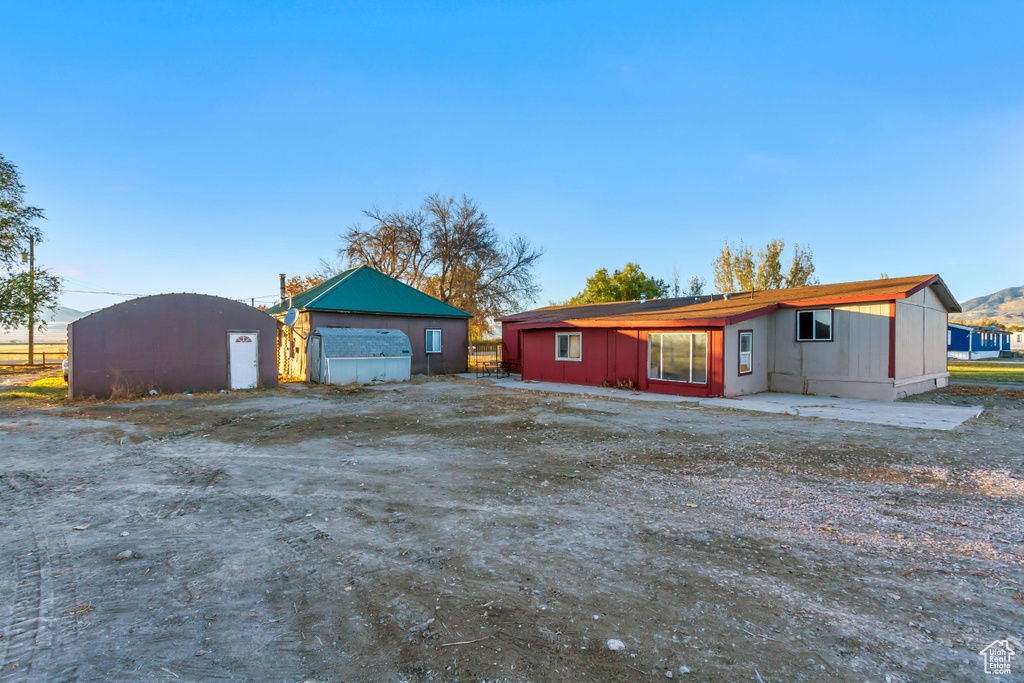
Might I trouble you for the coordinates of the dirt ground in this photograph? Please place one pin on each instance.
(449, 530)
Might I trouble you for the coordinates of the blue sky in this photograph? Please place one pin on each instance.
(210, 146)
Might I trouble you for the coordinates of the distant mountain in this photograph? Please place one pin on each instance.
(1006, 306)
(57, 320)
(63, 314)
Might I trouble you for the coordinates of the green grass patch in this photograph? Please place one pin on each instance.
(48, 389)
(983, 371)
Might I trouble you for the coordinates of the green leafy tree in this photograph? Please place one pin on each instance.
(696, 286)
(623, 285)
(24, 291)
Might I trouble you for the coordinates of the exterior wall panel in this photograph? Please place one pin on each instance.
(757, 381)
(612, 355)
(171, 342)
(857, 354)
(921, 338)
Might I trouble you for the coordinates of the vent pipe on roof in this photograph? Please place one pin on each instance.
(282, 288)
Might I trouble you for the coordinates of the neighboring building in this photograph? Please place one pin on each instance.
(338, 355)
(1017, 342)
(171, 343)
(879, 339)
(964, 342)
(365, 298)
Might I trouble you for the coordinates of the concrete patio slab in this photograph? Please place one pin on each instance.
(513, 382)
(895, 414)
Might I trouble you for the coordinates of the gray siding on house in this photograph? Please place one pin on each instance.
(854, 364)
(734, 383)
(921, 325)
(172, 342)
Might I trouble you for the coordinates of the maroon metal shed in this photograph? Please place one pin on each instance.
(172, 343)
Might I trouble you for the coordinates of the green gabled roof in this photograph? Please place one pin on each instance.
(365, 290)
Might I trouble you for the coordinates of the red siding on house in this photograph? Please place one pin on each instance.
(607, 354)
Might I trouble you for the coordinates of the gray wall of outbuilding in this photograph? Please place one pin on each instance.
(170, 342)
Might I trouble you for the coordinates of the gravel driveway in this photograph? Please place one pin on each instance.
(449, 530)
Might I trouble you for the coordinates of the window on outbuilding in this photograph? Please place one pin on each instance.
(746, 352)
(433, 341)
(567, 346)
(814, 325)
(678, 357)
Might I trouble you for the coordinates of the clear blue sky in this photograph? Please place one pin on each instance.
(208, 147)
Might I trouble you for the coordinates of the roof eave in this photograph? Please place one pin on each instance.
(454, 316)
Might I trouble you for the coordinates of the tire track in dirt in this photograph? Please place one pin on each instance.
(40, 612)
(44, 601)
(22, 631)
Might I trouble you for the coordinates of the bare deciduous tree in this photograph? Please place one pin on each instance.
(395, 245)
(448, 249)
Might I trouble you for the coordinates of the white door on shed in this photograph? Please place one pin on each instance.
(244, 359)
(313, 360)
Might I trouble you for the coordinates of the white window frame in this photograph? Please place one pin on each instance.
(831, 324)
(579, 335)
(749, 354)
(427, 345)
(661, 367)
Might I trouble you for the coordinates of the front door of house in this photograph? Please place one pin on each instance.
(243, 359)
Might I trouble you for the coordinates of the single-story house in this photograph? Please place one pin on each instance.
(1017, 342)
(878, 339)
(171, 343)
(363, 297)
(966, 342)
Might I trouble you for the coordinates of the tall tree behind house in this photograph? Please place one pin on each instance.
(448, 248)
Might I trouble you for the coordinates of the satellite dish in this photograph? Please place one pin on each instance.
(291, 316)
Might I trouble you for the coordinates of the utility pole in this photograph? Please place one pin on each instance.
(31, 300)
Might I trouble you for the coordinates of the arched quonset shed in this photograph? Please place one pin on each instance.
(173, 343)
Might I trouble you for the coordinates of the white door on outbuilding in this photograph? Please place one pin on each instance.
(244, 359)
(313, 360)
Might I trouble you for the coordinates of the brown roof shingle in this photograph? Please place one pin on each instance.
(721, 310)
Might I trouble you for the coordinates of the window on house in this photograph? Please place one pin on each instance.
(949, 337)
(678, 357)
(814, 325)
(746, 353)
(567, 346)
(433, 344)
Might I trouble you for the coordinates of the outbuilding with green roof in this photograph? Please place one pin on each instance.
(363, 297)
